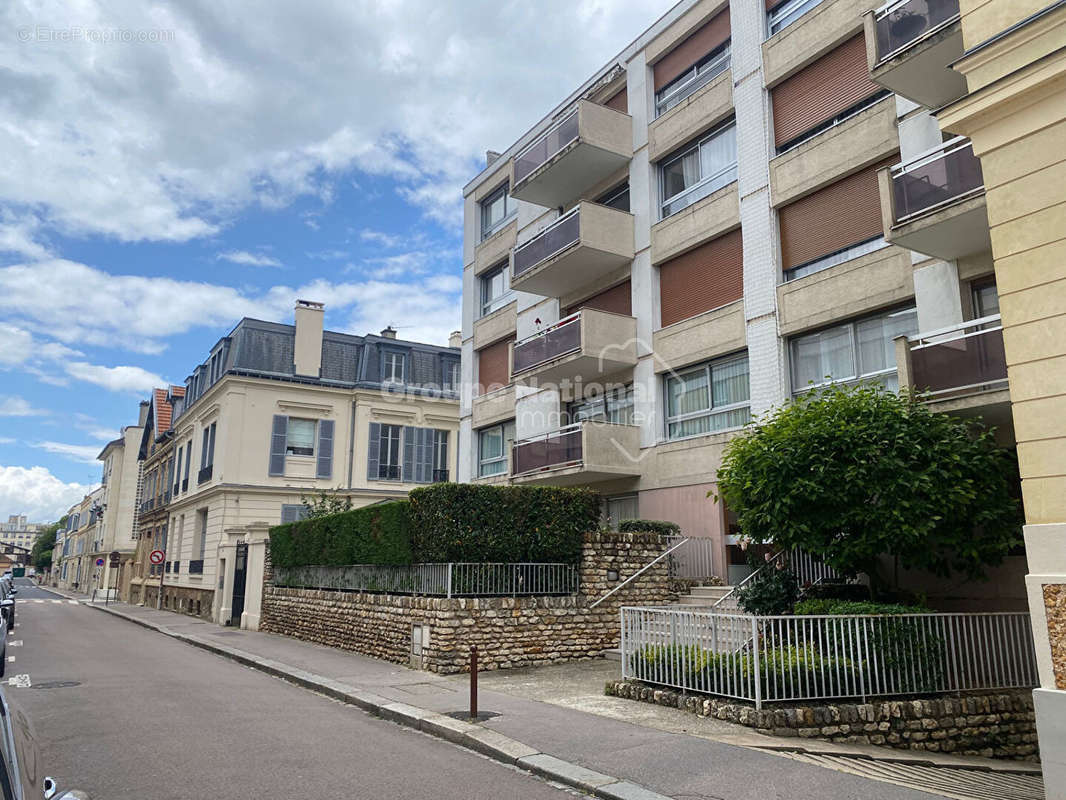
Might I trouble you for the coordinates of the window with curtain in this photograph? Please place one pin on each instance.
(390, 466)
(393, 367)
(785, 13)
(300, 437)
(692, 79)
(860, 350)
(698, 170)
(617, 509)
(494, 446)
(615, 406)
(709, 397)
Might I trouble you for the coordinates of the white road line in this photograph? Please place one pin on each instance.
(57, 601)
(20, 681)
(73, 602)
(10, 658)
(15, 643)
(38, 601)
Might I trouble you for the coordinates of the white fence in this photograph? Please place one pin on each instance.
(455, 579)
(694, 560)
(769, 659)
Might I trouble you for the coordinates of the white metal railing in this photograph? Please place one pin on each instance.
(666, 554)
(960, 358)
(695, 559)
(952, 332)
(811, 570)
(732, 593)
(669, 98)
(770, 659)
(921, 19)
(942, 175)
(453, 579)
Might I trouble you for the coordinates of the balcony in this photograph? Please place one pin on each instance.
(583, 246)
(204, 475)
(935, 204)
(585, 346)
(583, 149)
(910, 45)
(440, 476)
(578, 454)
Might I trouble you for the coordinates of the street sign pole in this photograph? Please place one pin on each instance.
(159, 600)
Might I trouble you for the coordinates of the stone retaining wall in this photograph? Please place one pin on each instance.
(994, 725)
(436, 633)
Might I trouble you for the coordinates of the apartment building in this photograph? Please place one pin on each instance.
(115, 529)
(73, 567)
(278, 413)
(751, 199)
(18, 531)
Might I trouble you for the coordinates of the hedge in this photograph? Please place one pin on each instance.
(659, 526)
(468, 522)
(814, 607)
(378, 534)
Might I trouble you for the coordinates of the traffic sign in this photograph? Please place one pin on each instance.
(157, 556)
(99, 562)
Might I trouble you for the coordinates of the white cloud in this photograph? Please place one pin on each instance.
(172, 139)
(386, 240)
(89, 425)
(6, 440)
(116, 379)
(82, 453)
(37, 493)
(15, 406)
(248, 259)
(19, 235)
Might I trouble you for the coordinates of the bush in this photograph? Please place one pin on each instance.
(378, 534)
(468, 522)
(773, 593)
(838, 591)
(811, 607)
(662, 527)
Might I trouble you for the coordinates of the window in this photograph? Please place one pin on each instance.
(851, 352)
(496, 210)
(615, 406)
(839, 257)
(494, 445)
(692, 79)
(452, 376)
(390, 467)
(201, 524)
(300, 437)
(207, 451)
(618, 197)
(707, 398)
(293, 512)
(699, 170)
(177, 473)
(616, 509)
(188, 465)
(985, 300)
(496, 289)
(784, 14)
(392, 370)
(440, 456)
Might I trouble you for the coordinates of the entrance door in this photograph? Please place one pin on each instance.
(240, 579)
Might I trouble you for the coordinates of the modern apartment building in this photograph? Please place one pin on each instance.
(278, 413)
(751, 199)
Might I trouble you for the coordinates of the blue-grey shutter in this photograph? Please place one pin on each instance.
(177, 473)
(211, 446)
(373, 451)
(277, 444)
(291, 513)
(425, 453)
(325, 448)
(410, 450)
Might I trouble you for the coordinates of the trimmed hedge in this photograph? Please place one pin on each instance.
(814, 607)
(838, 591)
(378, 534)
(469, 522)
(661, 527)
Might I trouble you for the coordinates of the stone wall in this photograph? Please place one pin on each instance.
(184, 600)
(994, 725)
(1055, 609)
(509, 631)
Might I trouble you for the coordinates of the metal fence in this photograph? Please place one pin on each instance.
(455, 579)
(694, 560)
(769, 659)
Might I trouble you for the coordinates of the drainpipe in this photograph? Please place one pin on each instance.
(351, 443)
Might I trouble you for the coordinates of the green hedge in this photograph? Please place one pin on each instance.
(378, 534)
(659, 526)
(828, 606)
(467, 522)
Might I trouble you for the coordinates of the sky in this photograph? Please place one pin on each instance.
(167, 168)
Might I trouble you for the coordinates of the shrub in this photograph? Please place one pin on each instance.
(838, 591)
(659, 526)
(378, 534)
(770, 594)
(811, 607)
(468, 522)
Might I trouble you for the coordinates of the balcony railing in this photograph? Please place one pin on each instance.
(558, 340)
(556, 449)
(903, 22)
(440, 476)
(204, 474)
(177, 567)
(196, 567)
(561, 234)
(551, 142)
(947, 175)
(963, 359)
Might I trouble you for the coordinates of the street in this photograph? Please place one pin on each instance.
(137, 715)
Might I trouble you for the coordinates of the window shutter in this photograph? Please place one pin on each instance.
(702, 279)
(211, 446)
(700, 43)
(494, 365)
(618, 300)
(325, 448)
(373, 451)
(177, 473)
(619, 101)
(410, 454)
(277, 444)
(424, 456)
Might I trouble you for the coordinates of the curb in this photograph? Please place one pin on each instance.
(485, 741)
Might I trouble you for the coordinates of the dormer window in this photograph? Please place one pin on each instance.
(393, 367)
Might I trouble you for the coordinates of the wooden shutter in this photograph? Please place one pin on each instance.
(708, 277)
(278, 435)
(842, 214)
(373, 451)
(410, 458)
(619, 101)
(493, 366)
(325, 449)
(820, 91)
(707, 37)
(618, 300)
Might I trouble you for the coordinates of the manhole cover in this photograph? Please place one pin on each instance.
(56, 684)
(465, 715)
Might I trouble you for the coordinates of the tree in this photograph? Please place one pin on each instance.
(323, 504)
(41, 552)
(853, 473)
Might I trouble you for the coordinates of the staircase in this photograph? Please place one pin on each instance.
(704, 597)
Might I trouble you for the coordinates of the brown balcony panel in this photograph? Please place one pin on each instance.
(936, 183)
(966, 365)
(593, 452)
(584, 347)
(557, 341)
(554, 450)
(561, 235)
(911, 47)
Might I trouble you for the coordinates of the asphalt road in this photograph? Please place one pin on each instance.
(122, 712)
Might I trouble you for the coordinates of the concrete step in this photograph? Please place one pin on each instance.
(690, 600)
(710, 591)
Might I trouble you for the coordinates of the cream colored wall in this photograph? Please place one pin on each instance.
(705, 336)
(810, 37)
(702, 221)
(492, 251)
(495, 326)
(983, 19)
(694, 115)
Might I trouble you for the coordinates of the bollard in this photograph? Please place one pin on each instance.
(473, 682)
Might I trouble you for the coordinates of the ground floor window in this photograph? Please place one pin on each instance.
(494, 447)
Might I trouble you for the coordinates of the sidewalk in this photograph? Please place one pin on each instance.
(555, 721)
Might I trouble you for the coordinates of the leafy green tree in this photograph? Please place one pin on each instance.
(322, 504)
(853, 473)
(41, 552)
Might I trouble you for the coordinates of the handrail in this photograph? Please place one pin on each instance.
(563, 118)
(567, 320)
(934, 153)
(961, 326)
(555, 223)
(641, 571)
(748, 579)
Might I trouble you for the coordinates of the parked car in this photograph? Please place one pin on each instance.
(7, 606)
(20, 759)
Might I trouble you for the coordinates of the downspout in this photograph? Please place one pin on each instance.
(351, 443)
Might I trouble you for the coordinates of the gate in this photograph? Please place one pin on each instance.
(240, 580)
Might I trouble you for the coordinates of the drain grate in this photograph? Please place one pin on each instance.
(56, 684)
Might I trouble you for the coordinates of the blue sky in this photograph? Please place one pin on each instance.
(167, 168)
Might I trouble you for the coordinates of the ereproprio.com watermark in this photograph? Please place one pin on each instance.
(75, 33)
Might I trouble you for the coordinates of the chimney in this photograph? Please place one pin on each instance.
(142, 417)
(491, 157)
(388, 333)
(456, 339)
(307, 349)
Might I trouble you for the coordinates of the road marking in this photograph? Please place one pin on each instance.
(38, 601)
(15, 643)
(20, 681)
(57, 601)
(10, 658)
(73, 602)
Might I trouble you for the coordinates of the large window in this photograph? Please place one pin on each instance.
(390, 466)
(440, 456)
(692, 79)
(496, 210)
(392, 370)
(699, 170)
(300, 437)
(496, 289)
(709, 397)
(494, 444)
(452, 376)
(616, 509)
(854, 351)
(615, 406)
(784, 14)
